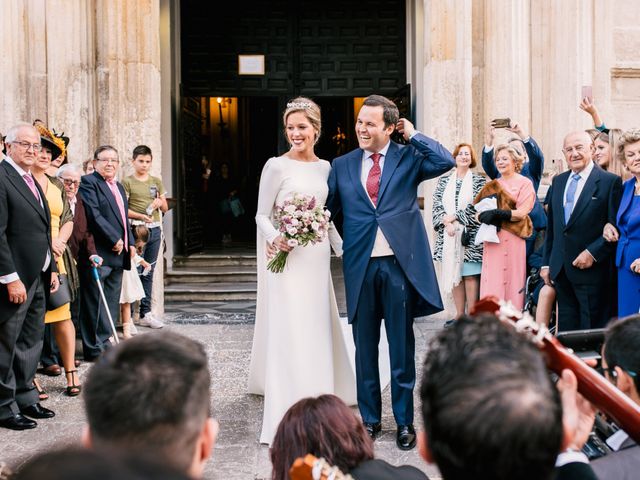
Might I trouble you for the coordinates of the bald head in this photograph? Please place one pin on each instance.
(578, 150)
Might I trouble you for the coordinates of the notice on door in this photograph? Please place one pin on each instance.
(251, 64)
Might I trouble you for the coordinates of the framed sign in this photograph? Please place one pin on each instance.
(251, 64)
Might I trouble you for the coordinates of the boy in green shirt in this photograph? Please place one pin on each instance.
(146, 196)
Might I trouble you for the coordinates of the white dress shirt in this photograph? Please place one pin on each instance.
(381, 247)
(12, 277)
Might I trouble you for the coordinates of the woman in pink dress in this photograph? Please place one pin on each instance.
(504, 264)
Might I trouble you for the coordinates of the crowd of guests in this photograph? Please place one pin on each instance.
(70, 246)
(495, 237)
(489, 410)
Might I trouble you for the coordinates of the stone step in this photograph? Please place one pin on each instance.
(214, 260)
(210, 292)
(217, 274)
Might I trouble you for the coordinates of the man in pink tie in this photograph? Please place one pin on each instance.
(106, 207)
(27, 275)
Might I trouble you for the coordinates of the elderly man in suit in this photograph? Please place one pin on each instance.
(576, 257)
(106, 207)
(388, 269)
(27, 275)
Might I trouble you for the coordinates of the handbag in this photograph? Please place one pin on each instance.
(466, 238)
(61, 296)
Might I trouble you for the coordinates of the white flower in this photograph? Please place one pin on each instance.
(292, 242)
(295, 222)
(292, 230)
(290, 209)
(315, 226)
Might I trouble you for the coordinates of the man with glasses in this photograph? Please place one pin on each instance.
(27, 274)
(81, 242)
(106, 207)
(577, 259)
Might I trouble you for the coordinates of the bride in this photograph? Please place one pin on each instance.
(298, 345)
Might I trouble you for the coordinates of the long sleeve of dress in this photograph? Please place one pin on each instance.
(335, 240)
(270, 182)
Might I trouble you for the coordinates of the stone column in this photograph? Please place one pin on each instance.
(507, 61)
(71, 79)
(128, 77)
(562, 62)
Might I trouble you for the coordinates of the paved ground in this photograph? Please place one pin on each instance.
(227, 331)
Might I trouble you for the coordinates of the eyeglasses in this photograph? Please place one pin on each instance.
(612, 372)
(26, 145)
(108, 160)
(68, 182)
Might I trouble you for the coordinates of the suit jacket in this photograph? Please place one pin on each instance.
(104, 220)
(380, 470)
(25, 231)
(621, 465)
(574, 471)
(81, 241)
(598, 204)
(629, 242)
(532, 169)
(397, 215)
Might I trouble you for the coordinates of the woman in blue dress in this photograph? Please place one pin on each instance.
(627, 233)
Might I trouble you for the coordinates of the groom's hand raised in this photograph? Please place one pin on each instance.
(405, 128)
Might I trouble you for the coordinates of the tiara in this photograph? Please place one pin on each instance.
(298, 105)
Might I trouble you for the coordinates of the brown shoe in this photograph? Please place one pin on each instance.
(51, 371)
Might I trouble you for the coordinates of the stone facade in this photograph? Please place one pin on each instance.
(107, 71)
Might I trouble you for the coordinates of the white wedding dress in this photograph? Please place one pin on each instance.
(299, 348)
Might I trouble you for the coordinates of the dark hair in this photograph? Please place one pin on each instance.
(474, 159)
(103, 148)
(141, 150)
(390, 113)
(324, 427)
(489, 407)
(141, 233)
(150, 394)
(621, 346)
(81, 464)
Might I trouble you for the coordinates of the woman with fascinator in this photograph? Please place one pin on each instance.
(58, 319)
(298, 346)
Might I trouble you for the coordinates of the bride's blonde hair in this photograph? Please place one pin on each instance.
(309, 108)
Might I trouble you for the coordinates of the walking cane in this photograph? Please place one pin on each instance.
(96, 275)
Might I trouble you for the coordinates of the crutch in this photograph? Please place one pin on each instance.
(96, 275)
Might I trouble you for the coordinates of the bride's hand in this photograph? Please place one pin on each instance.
(270, 250)
(281, 244)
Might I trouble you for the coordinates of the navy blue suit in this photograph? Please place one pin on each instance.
(533, 170)
(628, 223)
(396, 288)
(104, 221)
(583, 299)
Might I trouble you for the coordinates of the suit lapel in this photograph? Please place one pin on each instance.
(590, 187)
(20, 185)
(627, 195)
(559, 194)
(354, 165)
(102, 183)
(390, 165)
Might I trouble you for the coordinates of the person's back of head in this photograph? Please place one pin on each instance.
(151, 394)
(622, 355)
(81, 464)
(490, 410)
(325, 427)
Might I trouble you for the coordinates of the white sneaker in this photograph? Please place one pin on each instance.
(150, 321)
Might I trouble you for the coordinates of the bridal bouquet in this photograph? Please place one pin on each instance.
(301, 222)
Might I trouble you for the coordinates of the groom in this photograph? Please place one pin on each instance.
(387, 263)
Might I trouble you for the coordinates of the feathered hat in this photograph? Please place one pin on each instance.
(49, 138)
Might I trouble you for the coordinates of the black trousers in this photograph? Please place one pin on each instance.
(21, 332)
(581, 306)
(94, 322)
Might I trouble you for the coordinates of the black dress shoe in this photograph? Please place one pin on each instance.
(373, 429)
(37, 411)
(18, 422)
(406, 438)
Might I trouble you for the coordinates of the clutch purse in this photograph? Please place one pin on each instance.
(61, 296)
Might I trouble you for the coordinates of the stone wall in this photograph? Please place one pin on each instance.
(90, 68)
